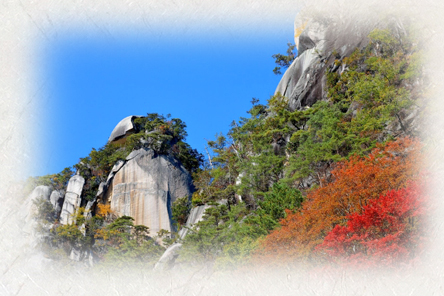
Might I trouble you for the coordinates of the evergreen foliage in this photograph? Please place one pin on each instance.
(180, 210)
(282, 183)
(56, 181)
(284, 61)
(269, 155)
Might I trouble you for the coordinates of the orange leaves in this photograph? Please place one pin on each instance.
(354, 183)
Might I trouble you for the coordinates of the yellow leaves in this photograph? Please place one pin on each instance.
(104, 210)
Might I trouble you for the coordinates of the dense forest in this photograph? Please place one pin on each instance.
(338, 181)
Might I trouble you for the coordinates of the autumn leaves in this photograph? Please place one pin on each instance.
(371, 211)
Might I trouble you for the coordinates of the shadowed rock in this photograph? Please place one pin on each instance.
(56, 199)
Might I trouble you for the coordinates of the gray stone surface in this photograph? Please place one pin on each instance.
(56, 199)
(117, 166)
(166, 261)
(89, 208)
(72, 199)
(41, 191)
(195, 216)
(321, 41)
(101, 190)
(145, 188)
(28, 209)
(302, 82)
(122, 128)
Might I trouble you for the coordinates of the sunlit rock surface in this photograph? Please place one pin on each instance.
(124, 128)
(72, 199)
(195, 216)
(166, 261)
(145, 188)
(320, 41)
(41, 191)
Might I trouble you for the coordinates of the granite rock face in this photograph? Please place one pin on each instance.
(28, 208)
(57, 197)
(72, 199)
(168, 258)
(320, 41)
(122, 129)
(195, 216)
(41, 191)
(145, 186)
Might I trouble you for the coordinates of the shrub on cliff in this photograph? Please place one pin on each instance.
(355, 182)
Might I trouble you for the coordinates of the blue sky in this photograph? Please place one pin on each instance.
(206, 79)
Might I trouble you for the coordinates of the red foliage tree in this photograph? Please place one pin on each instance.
(387, 231)
(354, 183)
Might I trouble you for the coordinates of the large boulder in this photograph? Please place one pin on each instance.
(41, 191)
(124, 128)
(145, 186)
(321, 40)
(72, 199)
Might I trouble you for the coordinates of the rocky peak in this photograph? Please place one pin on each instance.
(124, 128)
(321, 40)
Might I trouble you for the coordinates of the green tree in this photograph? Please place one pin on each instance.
(181, 209)
(284, 61)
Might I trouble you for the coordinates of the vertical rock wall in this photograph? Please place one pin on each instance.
(72, 199)
(56, 199)
(28, 209)
(320, 41)
(145, 188)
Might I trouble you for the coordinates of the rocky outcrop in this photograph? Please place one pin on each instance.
(195, 216)
(41, 191)
(57, 197)
(72, 199)
(320, 41)
(124, 128)
(168, 258)
(28, 208)
(145, 186)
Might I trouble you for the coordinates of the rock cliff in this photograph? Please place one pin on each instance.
(320, 41)
(124, 128)
(145, 186)
(72, 199)
(168, 258)
(28, 208)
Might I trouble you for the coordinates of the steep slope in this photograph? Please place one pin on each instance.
(356, 84)
(121, 195)
(145, 188)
